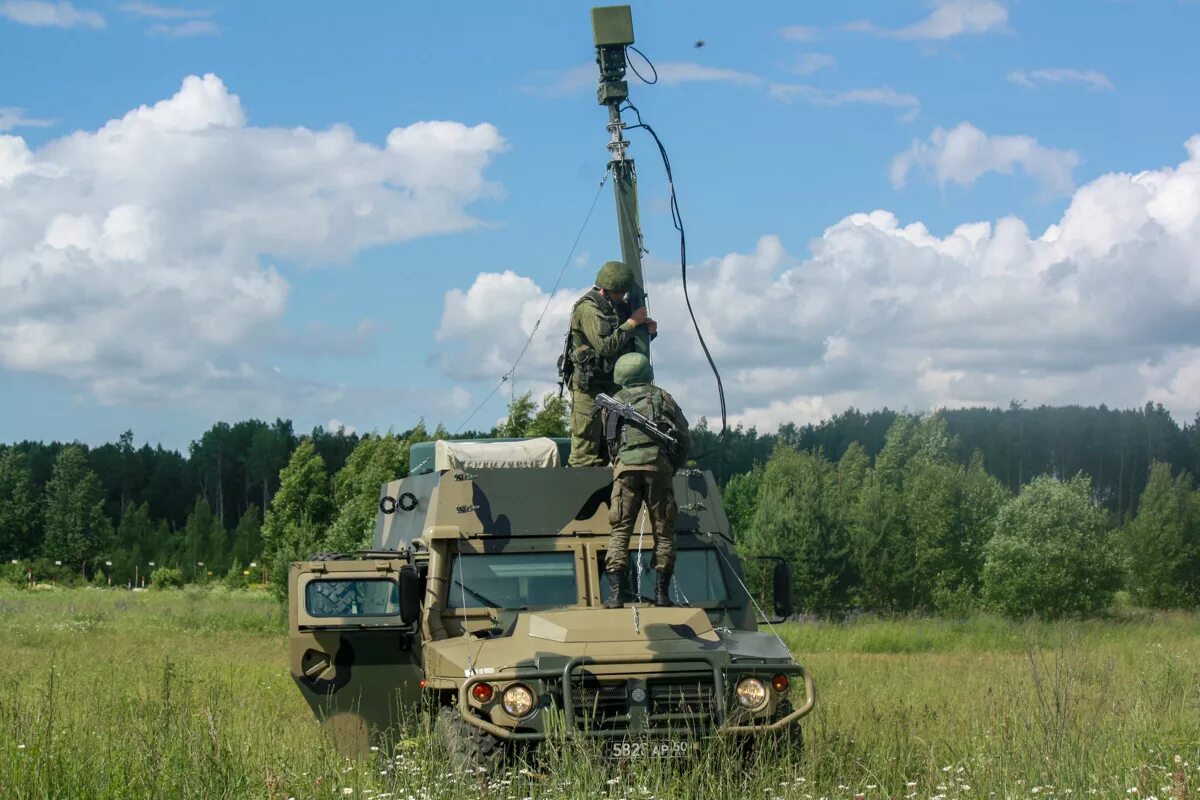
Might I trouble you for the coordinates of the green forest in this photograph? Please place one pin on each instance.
(1047, 511)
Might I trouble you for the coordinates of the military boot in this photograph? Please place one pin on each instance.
(662, 590)
(616, 589)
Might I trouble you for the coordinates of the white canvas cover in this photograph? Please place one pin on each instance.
(541, 452)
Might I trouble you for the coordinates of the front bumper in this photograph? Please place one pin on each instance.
(727, 720)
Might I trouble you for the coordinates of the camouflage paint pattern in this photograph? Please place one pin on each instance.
(360, 675)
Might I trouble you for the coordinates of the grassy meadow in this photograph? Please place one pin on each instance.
(186, 694)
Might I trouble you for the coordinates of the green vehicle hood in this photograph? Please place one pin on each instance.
(546, 639)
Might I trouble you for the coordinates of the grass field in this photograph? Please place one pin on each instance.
(187, 694)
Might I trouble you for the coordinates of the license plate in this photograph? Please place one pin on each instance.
(658, 748)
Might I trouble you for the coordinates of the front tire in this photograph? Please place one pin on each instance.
(471, 749)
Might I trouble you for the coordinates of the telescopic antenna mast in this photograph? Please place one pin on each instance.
(612, 31)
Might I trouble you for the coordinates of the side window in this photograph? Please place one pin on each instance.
(353, 597)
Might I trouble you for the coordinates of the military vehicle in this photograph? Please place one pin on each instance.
(480, 598)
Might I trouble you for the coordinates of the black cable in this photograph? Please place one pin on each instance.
(634, 69)
(677, 221)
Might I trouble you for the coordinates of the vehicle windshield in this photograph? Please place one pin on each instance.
(512, 580)
(697, 580)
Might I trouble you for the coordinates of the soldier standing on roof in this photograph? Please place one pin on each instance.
(601, 331)
(643, 472)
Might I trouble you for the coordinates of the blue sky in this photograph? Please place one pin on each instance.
(211, 260)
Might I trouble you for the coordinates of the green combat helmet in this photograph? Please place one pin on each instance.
(615, 276)
(632, 369)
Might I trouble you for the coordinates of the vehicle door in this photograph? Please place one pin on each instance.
(355, 645)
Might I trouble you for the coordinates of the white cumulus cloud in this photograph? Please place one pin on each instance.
(799, 33)
(44, 14)
(810, 63)
(875, 96)
(949, 18)
(193, 27)
(964, 153)
(335, 425)
(670, 73)
(484, 327)
(1040, 77)
(156, 11)
(11, 117)
(673, 73)
(176, 22)
(1099, 307)
(140, 260)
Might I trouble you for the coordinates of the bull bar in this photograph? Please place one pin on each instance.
(719, 673)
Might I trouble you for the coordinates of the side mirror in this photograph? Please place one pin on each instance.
(782, 580)
(410, 595)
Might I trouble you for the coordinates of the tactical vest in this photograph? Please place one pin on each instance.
(593, 373)
(636, 449)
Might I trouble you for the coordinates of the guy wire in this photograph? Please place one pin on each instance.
(549, 298)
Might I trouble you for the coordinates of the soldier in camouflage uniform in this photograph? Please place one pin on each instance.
(601, 330)
(643, 473)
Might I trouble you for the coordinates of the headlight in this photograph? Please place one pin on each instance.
(517, 700)
(751, 693)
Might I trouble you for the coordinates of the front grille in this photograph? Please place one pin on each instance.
(681, 702)
(601, 706)
(659, 703)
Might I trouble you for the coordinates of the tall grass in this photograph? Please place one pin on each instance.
(187, 694)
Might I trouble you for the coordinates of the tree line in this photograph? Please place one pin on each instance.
(918, 528)
(116, 512)
(881, 511)
(1113, 447)
(67, 510)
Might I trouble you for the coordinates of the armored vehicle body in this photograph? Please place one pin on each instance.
(481, 602)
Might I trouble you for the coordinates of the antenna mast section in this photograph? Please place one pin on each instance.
(612, 31)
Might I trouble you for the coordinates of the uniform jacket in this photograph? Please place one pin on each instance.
(600, 334)
(670, 412)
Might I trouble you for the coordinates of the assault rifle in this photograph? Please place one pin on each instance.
(619, 412)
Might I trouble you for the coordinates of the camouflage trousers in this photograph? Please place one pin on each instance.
(630, 491)
(587, 448)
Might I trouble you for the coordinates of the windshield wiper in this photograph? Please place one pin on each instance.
(487, 602)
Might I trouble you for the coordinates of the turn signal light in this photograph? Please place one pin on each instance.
(482, 692)
(780, 683)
